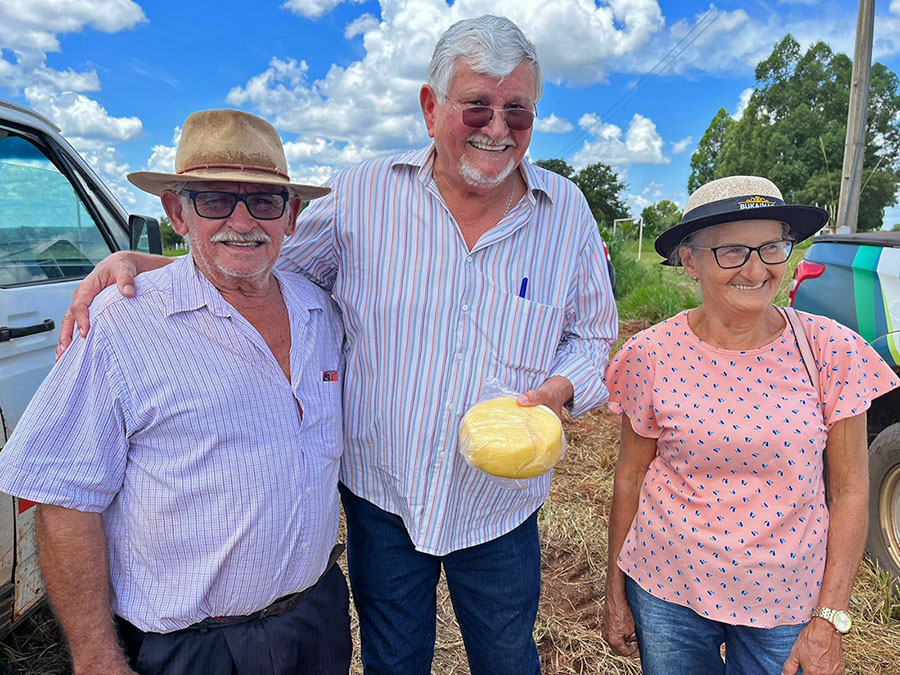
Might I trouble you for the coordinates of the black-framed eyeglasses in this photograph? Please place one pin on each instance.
(734, 255)
(479, 116)
(215, 204)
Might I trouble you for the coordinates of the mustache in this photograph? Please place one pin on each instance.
(487, 140)
(240, 237)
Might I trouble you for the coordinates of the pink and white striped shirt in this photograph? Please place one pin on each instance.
(428, 320)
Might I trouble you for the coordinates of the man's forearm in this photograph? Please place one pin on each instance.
(72, 548)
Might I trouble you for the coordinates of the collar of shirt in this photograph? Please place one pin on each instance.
(191, 290)
(422, 161)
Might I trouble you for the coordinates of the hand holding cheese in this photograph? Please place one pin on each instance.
(504, 439)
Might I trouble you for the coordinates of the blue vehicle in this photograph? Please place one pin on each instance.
(855, 279)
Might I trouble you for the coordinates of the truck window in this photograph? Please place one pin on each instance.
(46, 233)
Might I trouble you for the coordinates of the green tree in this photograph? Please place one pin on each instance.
(170, 238)
(556, 166)
(794, 126)
(703, 161)
(660, 217)
(603, 189)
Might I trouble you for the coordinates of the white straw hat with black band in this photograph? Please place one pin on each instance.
(739, 198)
(227, 145)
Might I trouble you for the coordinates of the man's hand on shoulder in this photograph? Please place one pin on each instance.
(554, 393)
(120, 269)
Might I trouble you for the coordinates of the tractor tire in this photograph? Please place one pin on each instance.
(883, 541)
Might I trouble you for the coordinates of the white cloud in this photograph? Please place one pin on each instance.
(360, 25)
(640, 143)
(743, 100)
(162, 157)
(313, 9)
(33, 25)
(553, 124)
(81, 117)
(653, 193)
(29, 29)
(372, 105)
(680, 146)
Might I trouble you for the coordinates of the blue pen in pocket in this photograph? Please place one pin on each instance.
(523, 287)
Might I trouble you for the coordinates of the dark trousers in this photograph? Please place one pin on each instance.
(311, 639)
(494, 588)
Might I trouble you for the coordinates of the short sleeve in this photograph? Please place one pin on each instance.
(629, 379)
(852, 374)
(70, 446)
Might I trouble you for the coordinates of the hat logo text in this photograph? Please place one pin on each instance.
(755, 203)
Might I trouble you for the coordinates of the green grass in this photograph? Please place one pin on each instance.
(647, 291)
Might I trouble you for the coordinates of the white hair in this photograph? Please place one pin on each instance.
(490, 45)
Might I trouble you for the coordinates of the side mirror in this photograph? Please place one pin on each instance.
(137, 225)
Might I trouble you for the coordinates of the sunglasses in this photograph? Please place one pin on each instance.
(215, 204)
(479, 116)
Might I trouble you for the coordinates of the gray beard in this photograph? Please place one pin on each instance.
(477, 178)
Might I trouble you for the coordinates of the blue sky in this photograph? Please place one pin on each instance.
(633, 83)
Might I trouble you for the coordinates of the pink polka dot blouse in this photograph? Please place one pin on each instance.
(731, 520)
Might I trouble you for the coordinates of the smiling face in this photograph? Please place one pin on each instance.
(748, 289)
(479, 158)
(238, 249)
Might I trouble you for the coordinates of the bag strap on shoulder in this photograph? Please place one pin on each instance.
(806, 352)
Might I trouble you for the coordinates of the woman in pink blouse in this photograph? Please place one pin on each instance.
(720, 532)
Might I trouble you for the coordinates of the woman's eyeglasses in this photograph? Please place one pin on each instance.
(734, 255)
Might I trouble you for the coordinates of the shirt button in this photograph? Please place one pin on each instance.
(451, 407)
(459, 356)
(465, 308)
(309, 491)
(443, 455)
(469, 259)
(305, 545)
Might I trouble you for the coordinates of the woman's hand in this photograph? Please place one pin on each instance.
(818, 651)
(618, 624)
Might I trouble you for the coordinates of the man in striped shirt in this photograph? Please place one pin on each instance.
(452, 264)
(194, 498)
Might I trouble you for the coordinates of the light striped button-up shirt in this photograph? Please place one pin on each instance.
(428, 321)
(174, 420)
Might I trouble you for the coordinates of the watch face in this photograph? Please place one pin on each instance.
(841, 621)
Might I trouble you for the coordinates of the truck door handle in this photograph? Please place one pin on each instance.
(22, 331)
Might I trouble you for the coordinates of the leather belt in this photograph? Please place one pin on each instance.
(280, 606)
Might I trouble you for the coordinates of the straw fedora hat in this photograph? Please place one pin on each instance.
(739, 198)
(227, 145)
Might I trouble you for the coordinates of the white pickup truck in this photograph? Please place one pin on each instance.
(57, 220)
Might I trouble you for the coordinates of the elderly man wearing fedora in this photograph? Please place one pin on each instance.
(453, 264)
(190, 505)
(720, 531)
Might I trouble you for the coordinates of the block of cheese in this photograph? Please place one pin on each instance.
(504, 439)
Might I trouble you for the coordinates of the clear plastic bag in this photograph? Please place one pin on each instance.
(509, 442)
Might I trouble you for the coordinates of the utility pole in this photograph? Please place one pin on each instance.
(855, 145)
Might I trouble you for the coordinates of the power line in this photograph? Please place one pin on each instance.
(647, 77)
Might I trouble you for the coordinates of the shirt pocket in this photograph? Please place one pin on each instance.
(525, 333)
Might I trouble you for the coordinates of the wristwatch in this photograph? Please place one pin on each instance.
(836, 617)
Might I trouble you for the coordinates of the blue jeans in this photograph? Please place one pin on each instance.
(675, 640)
(494, 588)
